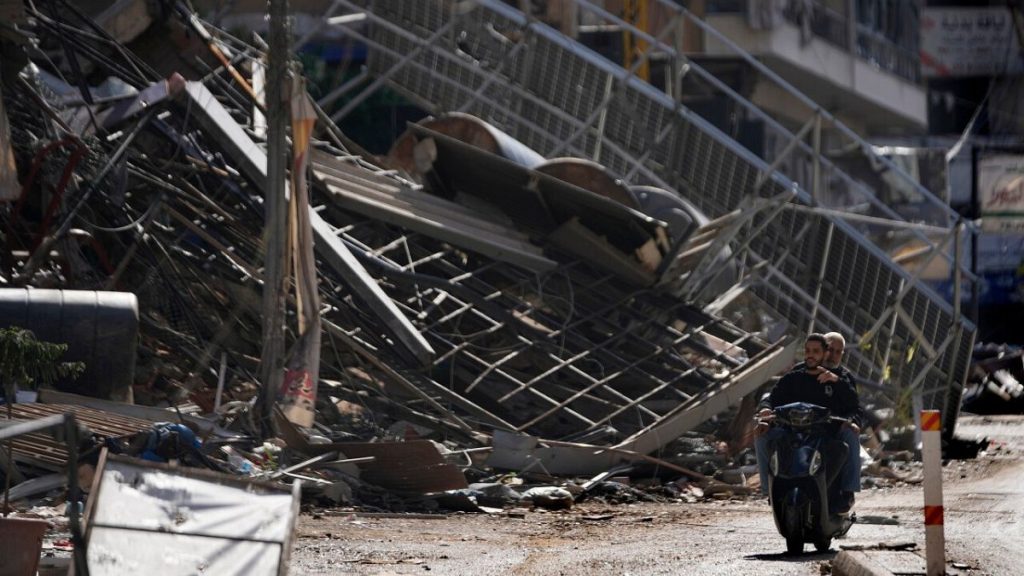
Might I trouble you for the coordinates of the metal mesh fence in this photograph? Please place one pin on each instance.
(551, 96)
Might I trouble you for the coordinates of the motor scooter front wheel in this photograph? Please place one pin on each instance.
(794, 531)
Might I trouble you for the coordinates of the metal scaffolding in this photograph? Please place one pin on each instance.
(563, 352)
(812, 262)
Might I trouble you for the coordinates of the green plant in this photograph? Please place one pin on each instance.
(28, 363)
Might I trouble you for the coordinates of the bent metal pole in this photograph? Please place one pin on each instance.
(931, 453)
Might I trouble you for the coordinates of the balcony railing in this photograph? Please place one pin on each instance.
(834, 27)
(888, 55)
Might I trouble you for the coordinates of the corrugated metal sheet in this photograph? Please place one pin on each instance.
(43, 451)
(371, 194)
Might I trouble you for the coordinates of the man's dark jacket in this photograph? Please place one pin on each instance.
(798, 385)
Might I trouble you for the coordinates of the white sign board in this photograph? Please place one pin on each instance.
(1001, 193)
(969, 42)
(157, 520)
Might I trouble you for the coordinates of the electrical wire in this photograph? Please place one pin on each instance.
(182, 134)
(131, 225)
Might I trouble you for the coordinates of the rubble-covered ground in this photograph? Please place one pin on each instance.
(984, 524)
(461, 298)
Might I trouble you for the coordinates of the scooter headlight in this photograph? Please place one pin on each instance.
(815, 463)
(773, 463)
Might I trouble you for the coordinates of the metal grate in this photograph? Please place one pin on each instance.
(556, 353)
(553, 92)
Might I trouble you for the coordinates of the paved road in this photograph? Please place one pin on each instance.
(983, 498)
(984, 522)
(713, 539)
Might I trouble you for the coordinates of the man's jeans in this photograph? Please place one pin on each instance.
(849, 476)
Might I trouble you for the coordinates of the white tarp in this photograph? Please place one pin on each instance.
(162, 522)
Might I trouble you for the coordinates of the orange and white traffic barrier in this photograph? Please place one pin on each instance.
(931, 453)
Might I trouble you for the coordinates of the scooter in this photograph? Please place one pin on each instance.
(804, 462)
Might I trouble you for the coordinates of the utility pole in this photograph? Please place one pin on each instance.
(975, 212)
(275, 233)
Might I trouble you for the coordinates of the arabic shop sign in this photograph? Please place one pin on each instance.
(1001, 193)
(969, 42)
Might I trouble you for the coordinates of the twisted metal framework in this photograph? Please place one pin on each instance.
(560, 353)
(812, 262)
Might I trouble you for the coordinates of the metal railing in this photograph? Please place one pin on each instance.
(888, 55)
(62, 427)
(866, 43)
(822, 21)
(552, 93)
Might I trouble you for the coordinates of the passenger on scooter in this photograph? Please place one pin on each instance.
(834, 362)
(813, 383)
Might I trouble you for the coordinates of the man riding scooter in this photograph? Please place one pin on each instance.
(813, 383)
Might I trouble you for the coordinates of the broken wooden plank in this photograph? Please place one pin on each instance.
(413, 467)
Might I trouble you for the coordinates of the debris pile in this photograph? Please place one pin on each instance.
(482, 309)
(996, 381)
(499, 294)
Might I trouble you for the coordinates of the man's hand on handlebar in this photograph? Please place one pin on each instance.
(764, 419)
(847, 423)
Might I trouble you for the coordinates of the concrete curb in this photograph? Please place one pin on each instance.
(857, 563)
(883, 562)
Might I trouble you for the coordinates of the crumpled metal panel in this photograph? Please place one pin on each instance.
(564, 352)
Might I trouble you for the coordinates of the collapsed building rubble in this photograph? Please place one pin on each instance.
(483, 308)
(817, 268)
(995, 382)
(564, 334)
